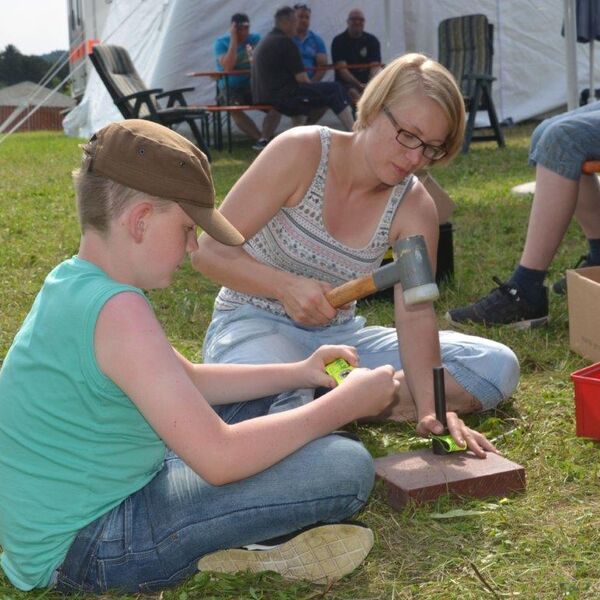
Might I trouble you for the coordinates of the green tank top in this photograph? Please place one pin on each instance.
(72, 444)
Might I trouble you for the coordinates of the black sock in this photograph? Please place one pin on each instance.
(594, 255)
(530, 282)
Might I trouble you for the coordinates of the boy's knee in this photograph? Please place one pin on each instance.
(350, 467)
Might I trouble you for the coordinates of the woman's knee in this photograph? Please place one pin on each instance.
(509, 369)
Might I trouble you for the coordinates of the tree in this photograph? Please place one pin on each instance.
(16, 67)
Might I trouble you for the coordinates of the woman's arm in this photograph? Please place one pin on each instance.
(418, 334)
(132, 350)
(279, 177)
(417, 325)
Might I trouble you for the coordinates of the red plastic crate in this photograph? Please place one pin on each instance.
(587, 401)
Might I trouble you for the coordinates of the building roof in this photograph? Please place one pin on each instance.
(19, 93)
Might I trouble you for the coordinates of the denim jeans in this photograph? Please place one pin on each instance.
(155, 537)
(562, 143)
(486, 369)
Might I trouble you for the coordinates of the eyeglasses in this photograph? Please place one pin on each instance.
(302, 7)
(358, 19)
(410, 140)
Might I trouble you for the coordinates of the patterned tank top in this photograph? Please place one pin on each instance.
(296, 240)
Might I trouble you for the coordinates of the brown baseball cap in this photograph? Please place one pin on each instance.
(154, 159)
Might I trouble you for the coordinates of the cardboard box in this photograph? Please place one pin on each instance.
(443, 202)
(583, 291)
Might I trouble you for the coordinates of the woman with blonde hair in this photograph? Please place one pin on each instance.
(320, 207)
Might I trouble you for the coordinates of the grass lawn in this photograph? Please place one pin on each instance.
(540, 544)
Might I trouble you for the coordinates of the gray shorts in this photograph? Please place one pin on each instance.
(564, 142)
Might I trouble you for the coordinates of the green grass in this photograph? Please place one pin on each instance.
(539, 544)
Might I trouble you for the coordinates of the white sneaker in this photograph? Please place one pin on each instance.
(320, 554)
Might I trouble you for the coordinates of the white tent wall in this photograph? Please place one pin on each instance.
(529, 50)
(168, 39)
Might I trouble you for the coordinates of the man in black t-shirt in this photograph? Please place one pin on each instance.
(278, 77)
(355, 47)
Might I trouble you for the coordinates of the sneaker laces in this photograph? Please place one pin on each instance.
(507, 289)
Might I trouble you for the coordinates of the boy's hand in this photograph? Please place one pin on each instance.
(370, 391)
(462, 434)
(314, 365)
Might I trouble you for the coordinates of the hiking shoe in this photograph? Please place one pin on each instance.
(320, 554)
(260, 144)
(504, 305)
(560, 286)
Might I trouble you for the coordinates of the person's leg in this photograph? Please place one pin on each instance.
(558, 149)
(346, 118)
(270, 124)
(330, 94)
(155, 537)
(315, 115)
(246, 124)
(553, 207)
(587, 211)
(480, 373)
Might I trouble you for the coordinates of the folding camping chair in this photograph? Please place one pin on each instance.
(466, 48)
(136, 101)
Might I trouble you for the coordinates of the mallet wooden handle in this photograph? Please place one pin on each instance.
(351, 290)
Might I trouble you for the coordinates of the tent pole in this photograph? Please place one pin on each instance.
(571, 52)
(592, 96)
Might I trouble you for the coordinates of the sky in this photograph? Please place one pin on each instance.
(34, 26)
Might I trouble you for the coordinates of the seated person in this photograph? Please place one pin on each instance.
(233, 51)
(279, 78)
(559, 147)
(123, 465)
(355, 47)
(320, 207)
(311, 45)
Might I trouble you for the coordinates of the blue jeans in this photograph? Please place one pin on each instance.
(486, 369)
(563, 142)
(155, 537)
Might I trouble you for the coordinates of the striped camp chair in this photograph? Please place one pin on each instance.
(466, 47)
(136, 101)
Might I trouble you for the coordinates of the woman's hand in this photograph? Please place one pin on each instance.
(314, 365)
(462, 434)
(304, 301)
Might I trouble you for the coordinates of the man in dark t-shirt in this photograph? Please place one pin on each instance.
(278, 77)
(355, 47)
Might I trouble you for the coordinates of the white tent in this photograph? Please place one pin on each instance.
(168, 39)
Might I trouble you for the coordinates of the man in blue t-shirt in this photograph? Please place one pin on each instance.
(355, 46)
(311, 45)
(234, 53)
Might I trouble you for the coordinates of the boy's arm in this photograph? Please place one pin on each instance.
(132, 350)
(247, 382)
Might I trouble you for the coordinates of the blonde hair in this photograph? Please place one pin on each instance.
(100, 199)
(396, 86)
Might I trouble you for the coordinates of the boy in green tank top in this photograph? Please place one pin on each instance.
(124, 465)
